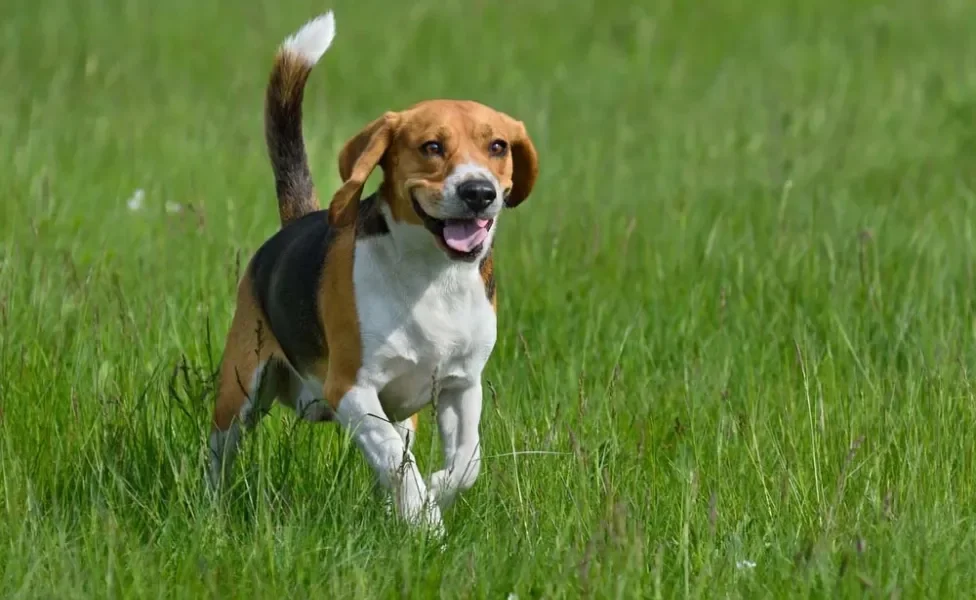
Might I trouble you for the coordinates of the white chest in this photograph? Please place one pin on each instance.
(422, 325)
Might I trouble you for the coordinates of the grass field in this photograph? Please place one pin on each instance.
(737, 317)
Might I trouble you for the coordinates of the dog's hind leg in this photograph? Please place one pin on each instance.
(249, 373)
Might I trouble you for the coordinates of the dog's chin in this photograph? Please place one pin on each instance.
(443, 232)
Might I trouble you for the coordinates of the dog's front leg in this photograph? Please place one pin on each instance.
(360, 411)
(458, 420)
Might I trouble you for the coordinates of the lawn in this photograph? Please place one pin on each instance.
(736, 318)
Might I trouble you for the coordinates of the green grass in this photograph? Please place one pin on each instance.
(737, 314)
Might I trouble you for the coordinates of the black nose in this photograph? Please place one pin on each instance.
(477, 193)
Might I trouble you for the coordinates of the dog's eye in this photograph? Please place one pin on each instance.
(498, 148)
(432, 148)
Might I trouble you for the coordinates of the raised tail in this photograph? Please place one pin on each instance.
(283, 116)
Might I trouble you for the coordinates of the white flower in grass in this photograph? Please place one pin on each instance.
(745, 564)
(135, 201)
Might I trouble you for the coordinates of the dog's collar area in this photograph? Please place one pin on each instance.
(437, 228)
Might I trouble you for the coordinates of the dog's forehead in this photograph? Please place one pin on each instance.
(453, 116)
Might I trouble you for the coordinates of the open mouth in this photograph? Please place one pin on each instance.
(460, 238)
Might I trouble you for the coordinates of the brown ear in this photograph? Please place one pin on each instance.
(357, 159)
(525, 165)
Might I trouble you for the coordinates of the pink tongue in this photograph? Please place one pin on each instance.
(465, 235)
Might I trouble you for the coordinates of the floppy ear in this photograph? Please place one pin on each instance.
(525, 165)
(357, 159)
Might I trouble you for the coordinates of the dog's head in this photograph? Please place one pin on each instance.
(447, 165)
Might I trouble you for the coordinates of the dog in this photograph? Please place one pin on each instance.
(366, 312)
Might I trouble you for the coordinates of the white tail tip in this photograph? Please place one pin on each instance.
(313, 39)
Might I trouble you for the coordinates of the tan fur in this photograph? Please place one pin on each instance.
(487, 270)
(337, 305)
(394, 142)
(249, 344)
(357, 159)
(293, 73)
(283, 134)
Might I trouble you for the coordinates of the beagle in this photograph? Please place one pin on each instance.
(368, 311)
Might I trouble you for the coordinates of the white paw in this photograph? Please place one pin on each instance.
(440, 489)
(415, 505)
(427, 517)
